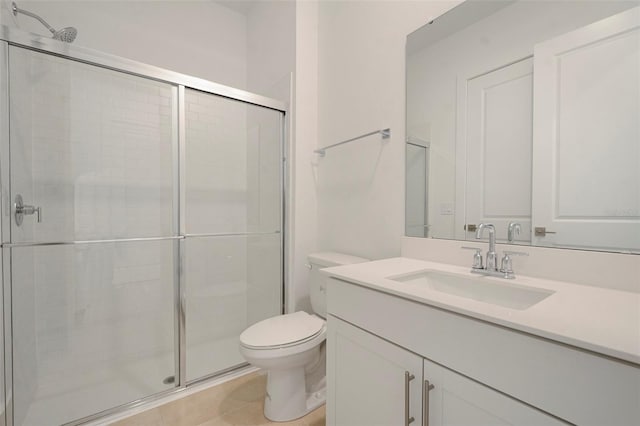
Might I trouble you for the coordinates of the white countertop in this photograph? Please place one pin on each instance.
(597, 319)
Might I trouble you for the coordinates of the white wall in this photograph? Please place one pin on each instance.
(199, 38)
(303, 203)
(271, 44)
(361, 88)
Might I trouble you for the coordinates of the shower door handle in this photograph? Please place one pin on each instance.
(22, 209)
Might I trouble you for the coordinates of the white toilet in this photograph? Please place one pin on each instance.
(291, 348)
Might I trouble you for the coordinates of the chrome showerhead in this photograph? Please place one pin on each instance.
(67, 34)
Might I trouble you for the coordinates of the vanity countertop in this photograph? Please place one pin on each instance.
(601, 320)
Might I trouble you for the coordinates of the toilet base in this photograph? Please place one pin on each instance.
(287, 398)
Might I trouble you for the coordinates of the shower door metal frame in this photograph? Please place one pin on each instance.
(5, 226)
(180, 82)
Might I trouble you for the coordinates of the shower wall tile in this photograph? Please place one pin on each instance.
(264, 277)
(216, 286)
(232, 166)
(216, 166)
(93, 148)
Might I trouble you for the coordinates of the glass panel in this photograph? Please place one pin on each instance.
(231, 283)
(93, 327)
(232, 166)
(92, 147)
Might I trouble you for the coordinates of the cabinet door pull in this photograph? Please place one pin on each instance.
(407, 378)
(425, 402)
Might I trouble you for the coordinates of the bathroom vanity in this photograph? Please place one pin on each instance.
(424, 343)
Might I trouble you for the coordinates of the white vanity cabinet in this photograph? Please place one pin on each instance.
(483, 373)
(373, 382)
(458, 400)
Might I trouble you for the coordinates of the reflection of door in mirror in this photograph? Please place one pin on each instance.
(586, 158)
(467, 83)
(417, 163)
(495, 138)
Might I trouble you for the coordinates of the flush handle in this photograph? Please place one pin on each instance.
(22, 209)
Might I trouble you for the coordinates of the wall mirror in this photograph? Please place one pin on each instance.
(526, 114)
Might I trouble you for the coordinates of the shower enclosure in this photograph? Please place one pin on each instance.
(141, 228)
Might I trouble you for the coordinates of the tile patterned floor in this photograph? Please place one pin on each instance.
(236, 402)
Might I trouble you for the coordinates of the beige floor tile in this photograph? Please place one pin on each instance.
(239, 402)
(317, 417)
(251, 414)
(214, 402)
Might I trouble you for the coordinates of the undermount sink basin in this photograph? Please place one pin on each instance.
(483, 289)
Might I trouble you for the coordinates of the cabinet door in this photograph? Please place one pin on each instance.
(456, 400)
(366, 379)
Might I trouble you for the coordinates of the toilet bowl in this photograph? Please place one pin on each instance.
(291, 349)
(295, 344)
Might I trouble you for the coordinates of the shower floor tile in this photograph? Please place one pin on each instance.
(236, 402)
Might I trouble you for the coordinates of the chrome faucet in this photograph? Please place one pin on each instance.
(491, 263)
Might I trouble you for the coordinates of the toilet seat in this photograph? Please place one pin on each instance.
(283, 331)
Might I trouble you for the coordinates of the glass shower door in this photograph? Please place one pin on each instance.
(93, 248)
(233, 226)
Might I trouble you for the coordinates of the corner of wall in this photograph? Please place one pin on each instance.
(303, 140)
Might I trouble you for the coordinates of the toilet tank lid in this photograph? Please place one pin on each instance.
(328, 258)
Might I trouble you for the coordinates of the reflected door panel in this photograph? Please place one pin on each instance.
(498, 149)
(586, 165)
(93, 327)
(92, 148)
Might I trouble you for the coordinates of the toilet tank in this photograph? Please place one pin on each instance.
(317, 281)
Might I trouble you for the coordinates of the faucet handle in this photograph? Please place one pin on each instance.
(506, 266)
(477, 257)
